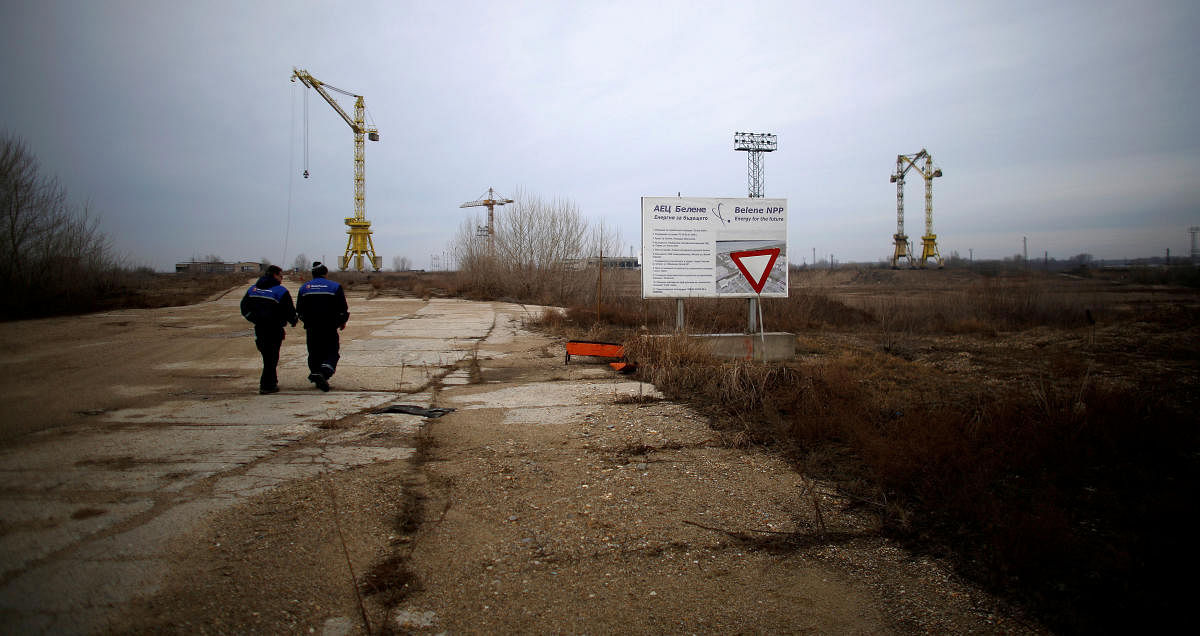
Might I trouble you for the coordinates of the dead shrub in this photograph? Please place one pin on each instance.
(1050, 492)
(1023, 302)
(550, 319)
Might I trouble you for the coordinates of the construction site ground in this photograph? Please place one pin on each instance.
(149, 488)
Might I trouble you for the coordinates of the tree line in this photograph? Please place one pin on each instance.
(540, 250)
(53, 257)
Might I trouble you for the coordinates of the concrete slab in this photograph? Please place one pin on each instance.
(540, 394)
(544, 414)
(285, 410)
(392, 424)
(42, 527)
(73, 585)
(88, 510)
(397, 357)
(457, 378)
(768, 347)
(241, 364)
(151, 538)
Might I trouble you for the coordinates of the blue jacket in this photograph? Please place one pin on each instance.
(267, 304)
(321, 304)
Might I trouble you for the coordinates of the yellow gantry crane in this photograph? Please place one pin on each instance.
(491, 200)
(359, 244)
(929, 248)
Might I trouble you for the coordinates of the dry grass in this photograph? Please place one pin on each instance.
(1034, 428)
(1063, 493)
(1057, 467)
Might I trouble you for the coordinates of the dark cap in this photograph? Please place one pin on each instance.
(318, 269)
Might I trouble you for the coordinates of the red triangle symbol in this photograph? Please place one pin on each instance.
(753, 262)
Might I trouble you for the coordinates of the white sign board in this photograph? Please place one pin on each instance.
(714, 248)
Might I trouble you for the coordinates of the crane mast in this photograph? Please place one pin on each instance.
(359, 245)
(929, 248)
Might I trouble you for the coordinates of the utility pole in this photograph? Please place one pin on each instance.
(600, 281)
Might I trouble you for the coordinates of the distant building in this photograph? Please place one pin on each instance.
(610, 262)
(208, 267)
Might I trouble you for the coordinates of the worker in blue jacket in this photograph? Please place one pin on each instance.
(321, 304)
(268, 305)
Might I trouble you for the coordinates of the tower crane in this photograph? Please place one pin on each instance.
(929, 241)
(359, 243)
(491, 200)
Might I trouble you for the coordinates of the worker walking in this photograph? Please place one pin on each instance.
(321, 304)
(268, 305)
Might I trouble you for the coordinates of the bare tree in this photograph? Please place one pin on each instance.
(300, 263)
(56, 259)
(401, 263)
(539, 251)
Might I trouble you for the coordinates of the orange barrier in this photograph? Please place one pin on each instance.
(597, 349)
(600, 350)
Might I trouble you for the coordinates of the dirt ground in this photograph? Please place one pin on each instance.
(608, 513)
(555, 498)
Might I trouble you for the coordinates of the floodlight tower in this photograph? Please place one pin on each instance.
(754, 144)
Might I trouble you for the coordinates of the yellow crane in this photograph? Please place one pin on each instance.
(929, 241)
(359, 244)
(491, 200)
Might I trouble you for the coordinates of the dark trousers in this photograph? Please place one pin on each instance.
(268, 341)
(323, 350)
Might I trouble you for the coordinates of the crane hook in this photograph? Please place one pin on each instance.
(305, 174)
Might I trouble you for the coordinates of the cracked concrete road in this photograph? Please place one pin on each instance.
(124, 431)
(148, 488)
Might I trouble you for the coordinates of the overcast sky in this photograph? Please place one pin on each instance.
(1075, 124)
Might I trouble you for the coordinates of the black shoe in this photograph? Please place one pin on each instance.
(267, 390)
(319, 380)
